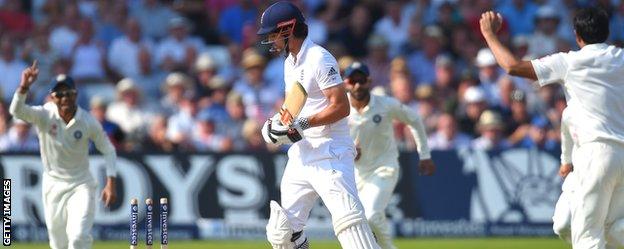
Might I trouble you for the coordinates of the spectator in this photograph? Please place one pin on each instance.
(10, 68)
(65, 35)
(520, 46)
(205, 137)
(474, 105)
(149, 77)
(39, 48)
(519, 119)
(428, 107)
(403, 91)
(205, 70)
(378, 60)
(252, 137)
(544, 39)
(520, 15)
(447, 137)
(258, 96)
(111, 22)
(233, 19)
(393, 26)
(128, 111)
(422, 63)
(153, 16)
(5, 116)
(232, 127)
(113, 131)
(537, 136)
(156, 140)
(357, 30)
(20, 138)
(445, 85)
(215, 100)
(490, 128)
(88, 56)
(123, 54)
(177, 86)
(182, 124)
(14, 20)
(179, 50)
(489, 75)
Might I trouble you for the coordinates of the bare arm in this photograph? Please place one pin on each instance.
(490, 23)
(337, 109)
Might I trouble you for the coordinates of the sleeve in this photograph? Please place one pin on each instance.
(104, 146)
(31, 114)
(327, 74)
(412, 119)
(566, 144)
(550, 69)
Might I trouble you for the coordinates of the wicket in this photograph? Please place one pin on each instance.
(149, 227)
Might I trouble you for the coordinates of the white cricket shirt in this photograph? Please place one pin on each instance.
(65, 147)
(373, 132)
(594, 79)
(316, 69)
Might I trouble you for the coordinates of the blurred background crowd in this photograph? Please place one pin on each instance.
(190, 75)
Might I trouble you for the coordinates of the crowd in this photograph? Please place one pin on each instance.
(191, 75)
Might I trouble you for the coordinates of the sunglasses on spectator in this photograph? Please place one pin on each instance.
(359, 81)
(61, 94)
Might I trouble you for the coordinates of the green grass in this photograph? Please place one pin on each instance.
(441, 243)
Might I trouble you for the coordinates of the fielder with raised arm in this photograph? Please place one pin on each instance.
(320, 160)
(592, 76)
(377, 163)
(64, 131)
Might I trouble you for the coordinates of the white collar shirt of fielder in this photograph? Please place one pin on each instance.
(316, 69)
(592, 76)
(65, 146)
(373, 131)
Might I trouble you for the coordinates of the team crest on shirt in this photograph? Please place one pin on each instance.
(77, 135)
(377, 119)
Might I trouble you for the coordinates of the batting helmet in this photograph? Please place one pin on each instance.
(278, 21)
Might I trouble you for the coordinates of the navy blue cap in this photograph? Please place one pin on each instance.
(62, 79)
(277, 13)
(356, 67)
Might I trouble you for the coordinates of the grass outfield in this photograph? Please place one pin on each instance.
(442, 243)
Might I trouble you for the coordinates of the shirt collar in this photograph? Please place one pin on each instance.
(595, 46)
(304, 48)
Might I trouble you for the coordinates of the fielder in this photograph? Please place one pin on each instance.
(377, 165)
(64, 131)
(593, 78)
(321, 157)
(562, 217)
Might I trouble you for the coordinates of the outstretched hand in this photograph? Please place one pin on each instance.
(29, 75)
(490, 22)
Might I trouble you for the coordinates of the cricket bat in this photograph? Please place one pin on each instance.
(296, 97)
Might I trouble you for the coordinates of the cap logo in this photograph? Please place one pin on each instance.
(61, 77)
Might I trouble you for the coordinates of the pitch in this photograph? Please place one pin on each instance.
(441, 243)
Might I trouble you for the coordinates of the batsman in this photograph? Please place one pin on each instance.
(313, 120)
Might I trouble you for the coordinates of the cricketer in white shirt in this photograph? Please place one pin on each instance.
(68, 186)
(377, 166)
(592, 76)
(320, 161)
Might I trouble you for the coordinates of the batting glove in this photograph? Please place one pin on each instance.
(299, 125)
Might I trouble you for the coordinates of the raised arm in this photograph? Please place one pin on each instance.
(18, 107)
(490, 23)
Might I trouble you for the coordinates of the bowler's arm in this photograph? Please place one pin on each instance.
(337, 109)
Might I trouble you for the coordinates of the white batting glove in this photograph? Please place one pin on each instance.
(268, 136)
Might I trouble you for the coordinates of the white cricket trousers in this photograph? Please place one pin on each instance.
(69, 212)
(598, 199)
(375, 188)
(331, 179)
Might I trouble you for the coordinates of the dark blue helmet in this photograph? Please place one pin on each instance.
(279, 17)
(62, 79)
